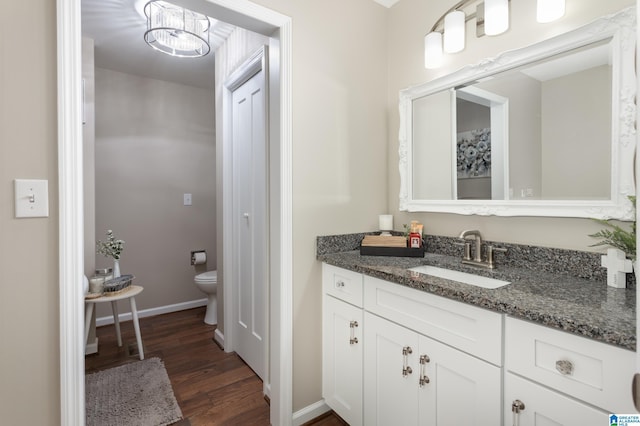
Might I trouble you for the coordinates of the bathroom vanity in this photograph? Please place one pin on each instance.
(400, 347)
(554, 346)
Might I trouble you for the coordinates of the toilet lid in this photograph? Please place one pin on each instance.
(209, 277)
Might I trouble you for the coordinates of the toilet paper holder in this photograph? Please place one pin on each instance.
(198, 257)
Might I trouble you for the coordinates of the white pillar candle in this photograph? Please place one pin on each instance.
(386, 222)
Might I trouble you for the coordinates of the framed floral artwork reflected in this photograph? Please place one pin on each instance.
(474, 153)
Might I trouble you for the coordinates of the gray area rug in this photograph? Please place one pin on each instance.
(135, 394)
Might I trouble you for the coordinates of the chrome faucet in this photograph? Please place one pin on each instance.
(477, 257)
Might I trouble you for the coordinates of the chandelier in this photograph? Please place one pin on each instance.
(176, 31)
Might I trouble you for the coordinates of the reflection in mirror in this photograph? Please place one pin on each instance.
(541, 127)
(551, 121)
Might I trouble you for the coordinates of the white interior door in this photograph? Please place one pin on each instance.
(250, 225)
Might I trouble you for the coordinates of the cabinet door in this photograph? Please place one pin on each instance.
(461, 389)
(544, 407)
(342, 359)
(390, 390)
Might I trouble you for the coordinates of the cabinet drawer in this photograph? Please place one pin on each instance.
(543, 406)
(343, 284)
(472, 330)
(594, 372)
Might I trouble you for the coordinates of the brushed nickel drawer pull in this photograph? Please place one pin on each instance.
(340, 284)
(516, 407)
(353, 339)
(406, 369)
(564, 367)
(424, 379)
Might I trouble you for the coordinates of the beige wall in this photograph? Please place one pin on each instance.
(29, 352)
(523, 93)
(432, 117)
(573, 117)
(88, 152)
(409, 20)
(155, 141)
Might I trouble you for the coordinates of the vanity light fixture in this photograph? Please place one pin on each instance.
(550, 10)
(176, 31)
(492, 18)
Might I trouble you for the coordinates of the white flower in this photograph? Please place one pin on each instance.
(110, 248)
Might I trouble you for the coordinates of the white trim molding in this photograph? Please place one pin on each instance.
(310, 412)
(71, 256)
(218, 336)
(152, 312)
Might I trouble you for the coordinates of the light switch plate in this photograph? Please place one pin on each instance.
(186, 199)
(31, 198)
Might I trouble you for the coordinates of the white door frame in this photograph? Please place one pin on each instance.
(256, 62)
(71, 233)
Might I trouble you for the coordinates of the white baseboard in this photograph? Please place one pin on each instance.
(309, 413)
(153, 311)
(219, 337)
(266, 390)
(91, 348)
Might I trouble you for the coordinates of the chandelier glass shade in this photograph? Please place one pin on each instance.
(176, 31)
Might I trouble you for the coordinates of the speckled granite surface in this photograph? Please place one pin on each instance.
(587, 307)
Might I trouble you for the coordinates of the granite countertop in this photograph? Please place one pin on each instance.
(581, 306)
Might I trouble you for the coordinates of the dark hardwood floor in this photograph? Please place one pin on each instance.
(212, 387)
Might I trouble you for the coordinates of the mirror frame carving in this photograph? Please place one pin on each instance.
(620, 27)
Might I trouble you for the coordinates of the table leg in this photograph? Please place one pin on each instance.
(88, 313)
(116, 321)
(136, 326)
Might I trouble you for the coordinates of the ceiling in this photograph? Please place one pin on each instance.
(117, 28)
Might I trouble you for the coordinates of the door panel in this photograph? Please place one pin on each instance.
(250, 224)
(391, 398)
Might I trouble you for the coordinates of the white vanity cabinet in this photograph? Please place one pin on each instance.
(393, 355)
(563, 379)
(410, 378)
(342, 342)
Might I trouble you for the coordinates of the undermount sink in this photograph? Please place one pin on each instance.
(463, 277)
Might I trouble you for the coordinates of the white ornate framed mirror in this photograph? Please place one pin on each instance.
(546, 130)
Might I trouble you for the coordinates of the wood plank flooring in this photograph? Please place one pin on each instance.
(212, 387)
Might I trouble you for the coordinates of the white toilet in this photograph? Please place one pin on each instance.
(207, 282)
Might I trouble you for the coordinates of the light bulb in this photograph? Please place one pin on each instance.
(454, 31)
(433, 50)
(550, 10)
(496, 16)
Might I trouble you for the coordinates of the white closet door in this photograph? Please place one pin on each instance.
(250, 195)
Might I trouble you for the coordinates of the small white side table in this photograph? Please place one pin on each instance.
(130, 294)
